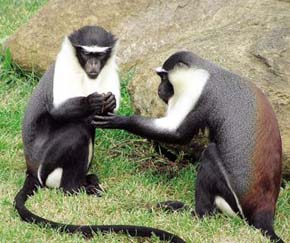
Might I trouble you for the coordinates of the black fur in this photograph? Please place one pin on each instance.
(92, 35)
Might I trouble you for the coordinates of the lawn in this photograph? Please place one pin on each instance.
(121, 163)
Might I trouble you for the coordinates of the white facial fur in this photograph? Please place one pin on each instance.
(188, 84)
(54, 178)
(70, 80)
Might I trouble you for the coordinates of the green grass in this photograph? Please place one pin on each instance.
(131, 187)
(14, 13)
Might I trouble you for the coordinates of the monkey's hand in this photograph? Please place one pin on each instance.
(110, 103)
(101, 103)
(111, 121)
(96, 102)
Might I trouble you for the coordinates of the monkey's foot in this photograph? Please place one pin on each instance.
(96, 190)
(172, 206)
(93, 187)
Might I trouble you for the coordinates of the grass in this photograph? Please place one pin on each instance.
(119, 162)
(14, 13)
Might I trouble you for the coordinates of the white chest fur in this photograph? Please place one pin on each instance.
(188, 85)
(70, 80)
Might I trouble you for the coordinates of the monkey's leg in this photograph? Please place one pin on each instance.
(212, 191)
(204, 192)
(263, 220)
(66, 159)
(75, 176)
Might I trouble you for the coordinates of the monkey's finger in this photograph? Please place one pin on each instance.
(107, 95)
(100, 124)
(110, 99)
(96, 99)
(101, 188)
(110, 107)
(101, 118)
(95, 95)
(111, 114)
(94, 190)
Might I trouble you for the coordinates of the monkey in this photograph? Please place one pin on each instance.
(57, 133)
(240, 169)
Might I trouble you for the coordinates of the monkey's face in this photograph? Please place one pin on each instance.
(171, 65)
(92, 62)
(165, 89)
(93, 47)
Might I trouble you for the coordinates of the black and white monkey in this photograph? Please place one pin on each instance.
(240, 170)
(57, 133)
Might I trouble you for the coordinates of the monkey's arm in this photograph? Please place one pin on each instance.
(82, 107)
(148, 127)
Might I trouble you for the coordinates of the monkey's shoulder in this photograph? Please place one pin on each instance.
(41, 97)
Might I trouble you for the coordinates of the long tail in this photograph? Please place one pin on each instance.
(30, 186)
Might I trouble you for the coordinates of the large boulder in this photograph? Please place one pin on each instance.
(251, 38)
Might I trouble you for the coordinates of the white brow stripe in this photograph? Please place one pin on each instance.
(95, 48)
(160, 70)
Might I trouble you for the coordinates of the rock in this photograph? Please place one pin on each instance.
(249, 37)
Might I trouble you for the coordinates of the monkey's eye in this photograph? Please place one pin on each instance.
(182, 65)
(101, 54)
(85, 52)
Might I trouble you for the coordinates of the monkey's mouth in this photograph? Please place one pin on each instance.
(93, 75)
